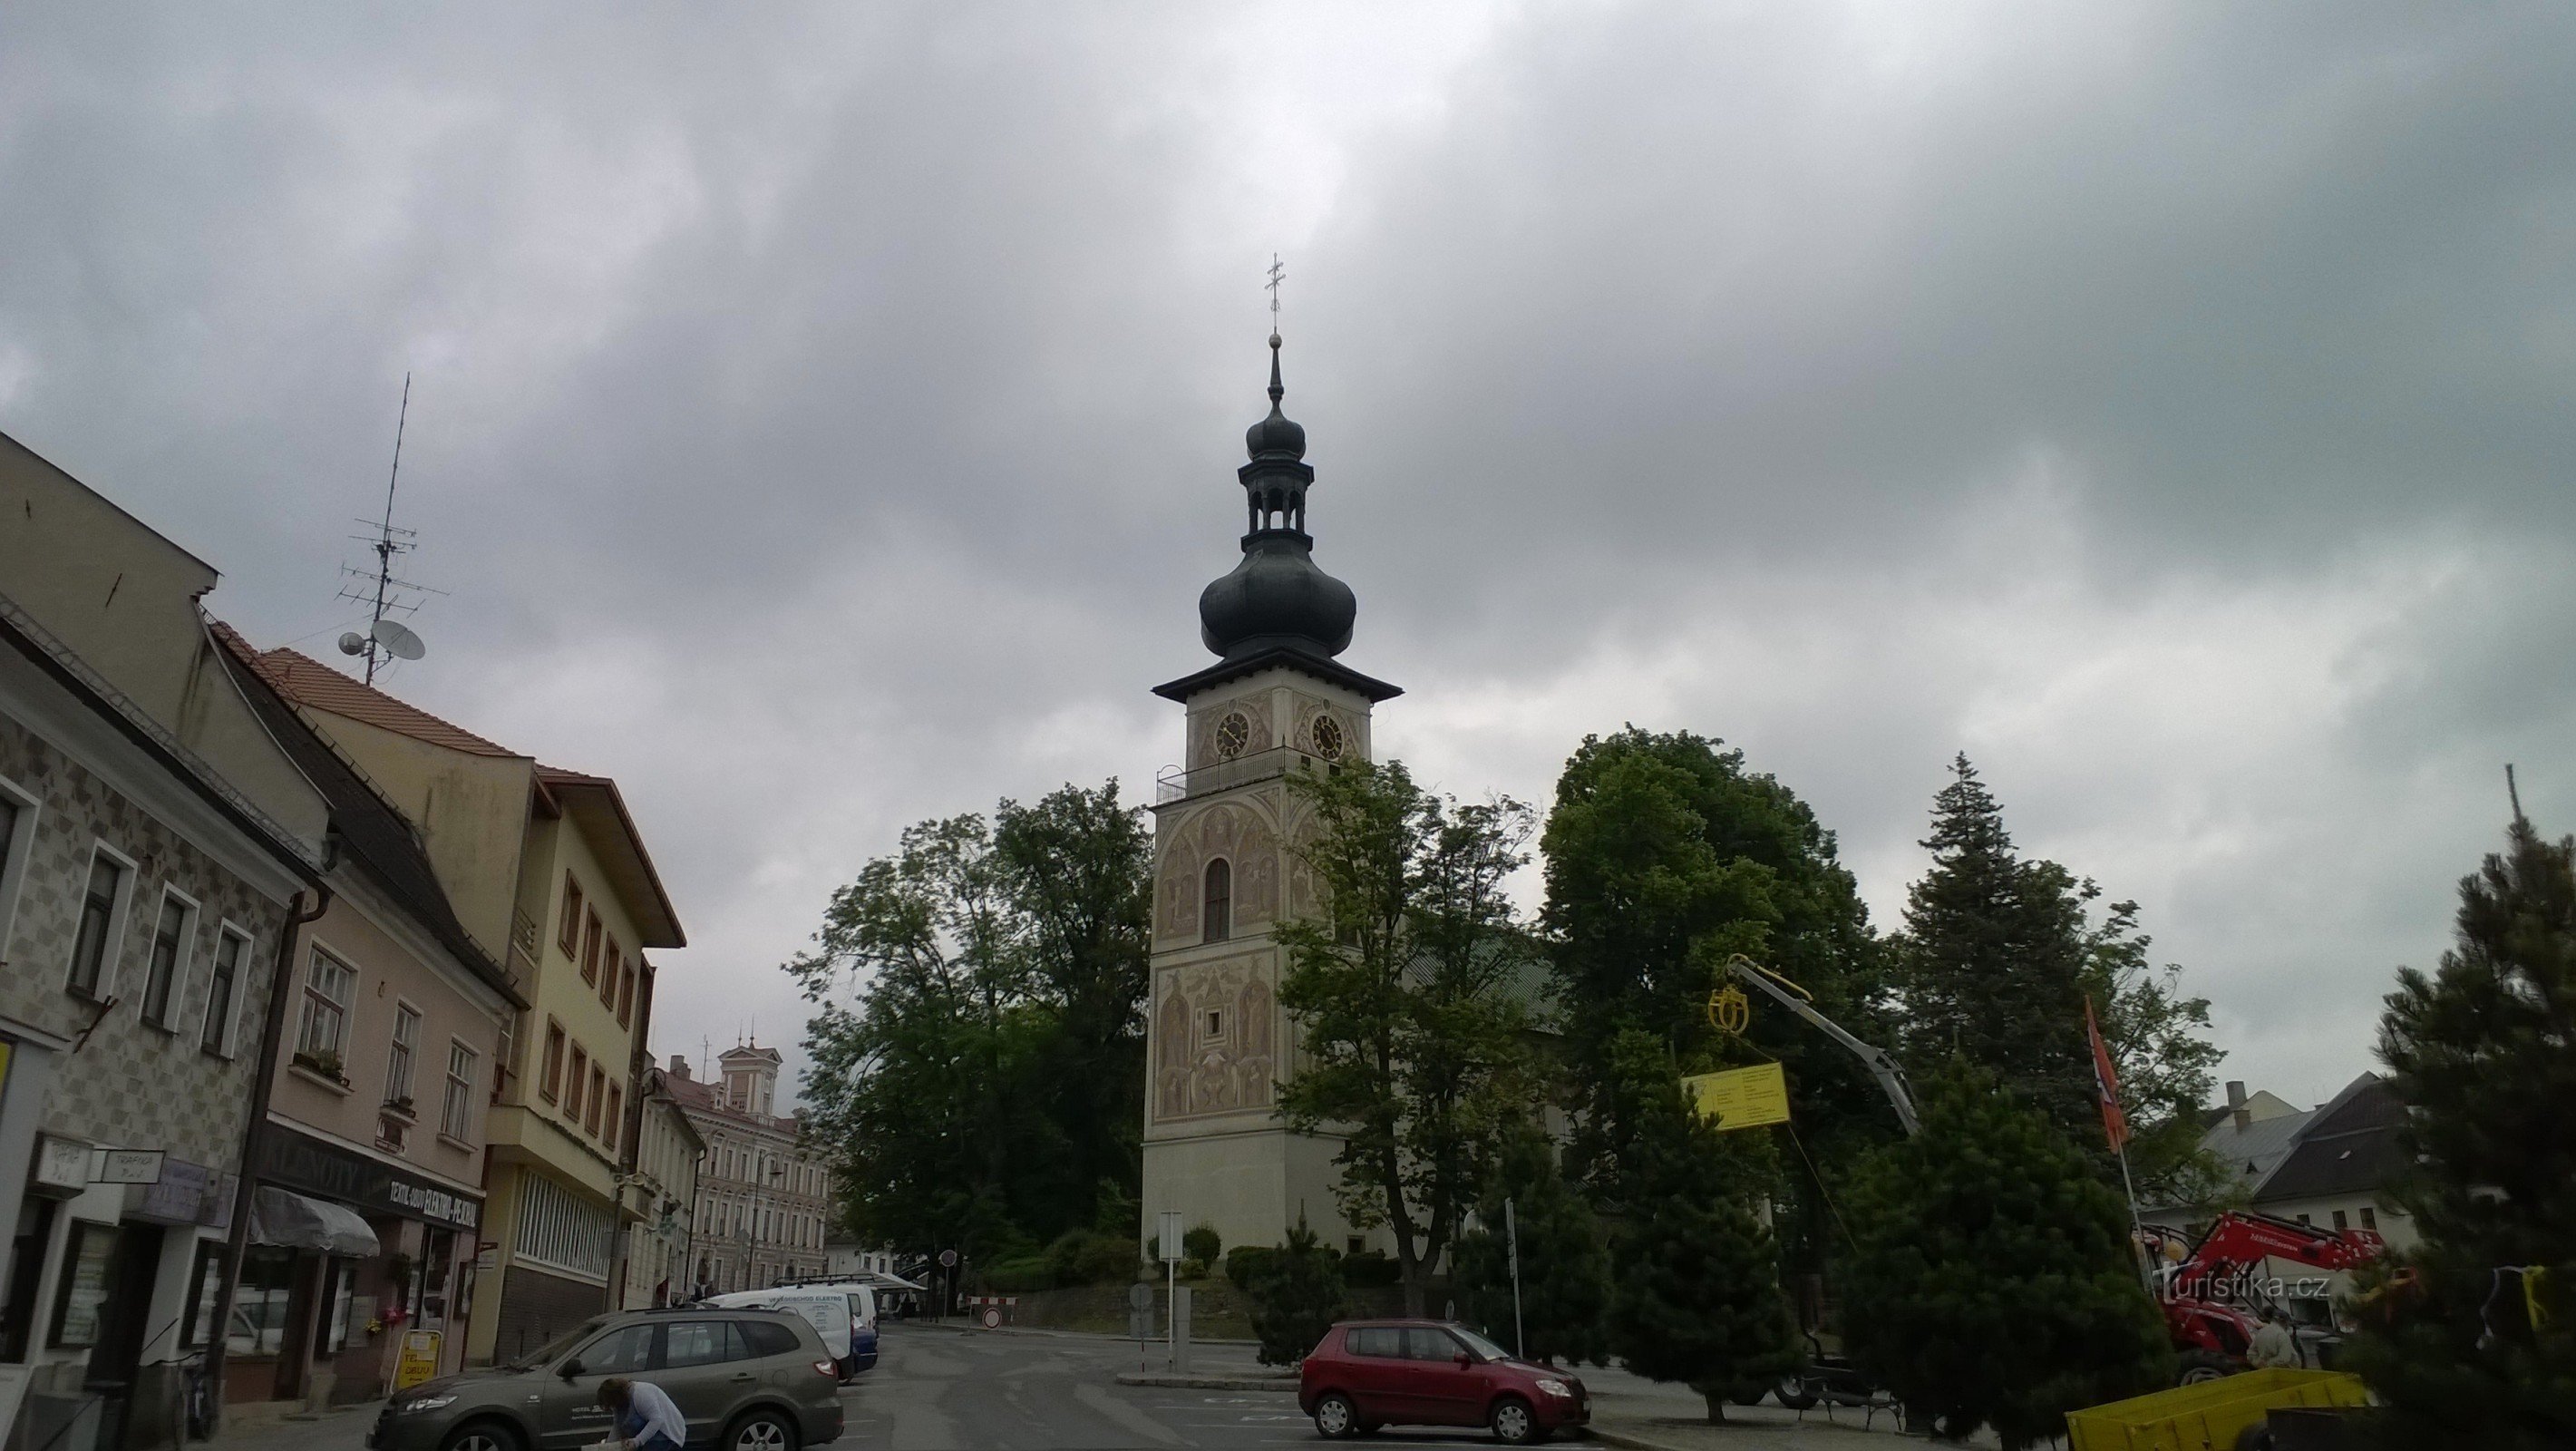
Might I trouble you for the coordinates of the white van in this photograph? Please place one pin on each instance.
(844, 1315)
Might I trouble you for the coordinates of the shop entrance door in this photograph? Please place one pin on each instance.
(124, 1316)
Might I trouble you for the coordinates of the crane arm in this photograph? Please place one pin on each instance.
(1881, 1067)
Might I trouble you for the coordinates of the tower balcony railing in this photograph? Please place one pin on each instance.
(1176, 784)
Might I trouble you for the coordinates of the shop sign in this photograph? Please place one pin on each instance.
(61, 1165)
(129, 1166)
(312, 1166)
(418, 1361)
(177, 1196)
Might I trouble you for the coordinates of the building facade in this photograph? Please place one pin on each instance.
(664, 1181)
(764, 1200)
(548, 873)
(156, 847)
(1276, 703)
(377, 1106)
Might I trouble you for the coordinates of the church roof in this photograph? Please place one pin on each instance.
(1285, 656)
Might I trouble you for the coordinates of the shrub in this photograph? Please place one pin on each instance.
(1087, 1257)
(1246, 1263)
(1370, 1268)
(1023, 1272)
(1296, 1299)
(1202, 1244)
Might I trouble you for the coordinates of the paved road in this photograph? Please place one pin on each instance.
(943, 1391)
(947, 1390)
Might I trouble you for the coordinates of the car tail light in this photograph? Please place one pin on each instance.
(825, 1367)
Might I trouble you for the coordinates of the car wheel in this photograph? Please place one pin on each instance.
(1514, 1424)
(2199, 1366)
(1334, 1417)
(1793, 1392)
(484, 1435)
(761, 1431)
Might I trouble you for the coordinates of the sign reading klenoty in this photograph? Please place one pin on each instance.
(301, 1162)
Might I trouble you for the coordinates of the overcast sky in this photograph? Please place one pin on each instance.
(825, 418)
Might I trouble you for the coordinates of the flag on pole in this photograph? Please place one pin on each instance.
(2106, 1084)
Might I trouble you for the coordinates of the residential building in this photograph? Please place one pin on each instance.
(664, 1180)
(848, 1257)
(548, 873)
(764, 1198)
(2339, 1172)
(2249, 1136)
(156, 848)
(1226, 869)
(369, 1159)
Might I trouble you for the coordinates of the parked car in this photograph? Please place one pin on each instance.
(844, 1315)
(1369, 1373)
(745, 1380)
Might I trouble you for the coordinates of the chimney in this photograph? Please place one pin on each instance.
(680, 1069)
(2236, 1105)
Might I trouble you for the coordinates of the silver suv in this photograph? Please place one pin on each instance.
(746, 1380)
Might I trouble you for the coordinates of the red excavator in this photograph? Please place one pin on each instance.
(2213, 1296)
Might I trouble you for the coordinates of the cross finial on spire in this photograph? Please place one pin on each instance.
(1277, 275)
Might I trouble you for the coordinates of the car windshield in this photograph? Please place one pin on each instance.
(555, 1348)
(1484, 1349)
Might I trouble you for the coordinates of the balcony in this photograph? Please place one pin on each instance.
(1175, 784)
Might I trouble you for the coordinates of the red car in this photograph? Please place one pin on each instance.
(1369, 1373)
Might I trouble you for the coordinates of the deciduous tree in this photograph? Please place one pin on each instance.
(1409, 992)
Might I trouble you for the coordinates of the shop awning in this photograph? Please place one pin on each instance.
(291, 1221)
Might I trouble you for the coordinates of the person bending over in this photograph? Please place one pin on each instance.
(644, 1416)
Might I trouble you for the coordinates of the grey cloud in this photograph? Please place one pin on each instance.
(825, 417)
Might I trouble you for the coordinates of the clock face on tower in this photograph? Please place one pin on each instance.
(1232, 734)
(1328, 738)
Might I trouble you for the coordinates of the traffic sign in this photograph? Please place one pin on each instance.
(948, 1259)
(1140, 1296)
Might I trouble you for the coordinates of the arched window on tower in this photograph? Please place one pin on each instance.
(1218, 913)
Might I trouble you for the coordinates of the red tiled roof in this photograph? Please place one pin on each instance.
(700, 1094)
(309, 682)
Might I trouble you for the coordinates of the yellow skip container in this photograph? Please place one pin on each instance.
(2209, 1416)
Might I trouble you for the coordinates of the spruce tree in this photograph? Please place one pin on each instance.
(2484, 1055)
(1993, 1283)
(1565, 1258)
(1296, 1296)
(1698, 1298)
(1994, 959)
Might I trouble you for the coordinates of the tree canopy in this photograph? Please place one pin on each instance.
(977, 1038)
(1410, 1000)
(2477, 1346)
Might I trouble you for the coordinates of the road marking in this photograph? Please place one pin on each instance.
(1122, 1415)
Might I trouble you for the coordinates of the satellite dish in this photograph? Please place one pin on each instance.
(398, 640)
(353, 643)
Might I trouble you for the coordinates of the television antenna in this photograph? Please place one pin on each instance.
(381, 590)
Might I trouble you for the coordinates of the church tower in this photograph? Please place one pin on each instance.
(1275, 702)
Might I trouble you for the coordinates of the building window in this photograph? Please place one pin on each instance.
(612, 963)
(626, 998)
(1218, 914)
(223, 991)
(81, 1301)
(590, 947)
(102, 922)
(1216, 1025)
(572, 1087)
(17, 839)
(2369, 1218)
(2340, 1223)
(398, 1060)
(258, 1324)
(455, 1118)
(616, 1114)
(598, 1089)
(550, 1082)
(329, 986)
(165, 978)
(568, 931)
